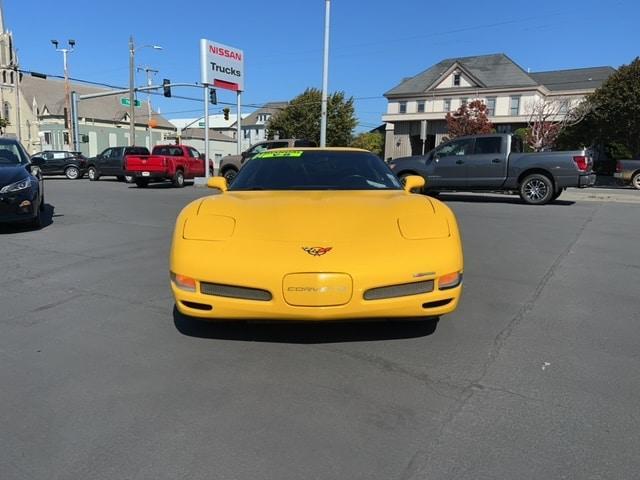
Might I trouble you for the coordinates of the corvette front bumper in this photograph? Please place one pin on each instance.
(432, 304)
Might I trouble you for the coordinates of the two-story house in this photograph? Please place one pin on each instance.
(508, 91)
(254, 126)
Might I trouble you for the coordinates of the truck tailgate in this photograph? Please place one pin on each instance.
(146, 163)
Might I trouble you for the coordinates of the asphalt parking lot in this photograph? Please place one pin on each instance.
(535, 376)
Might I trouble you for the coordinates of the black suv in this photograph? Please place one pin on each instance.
(111, 163)
(58, 162)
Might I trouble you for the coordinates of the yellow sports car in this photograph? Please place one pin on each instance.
(316, 234)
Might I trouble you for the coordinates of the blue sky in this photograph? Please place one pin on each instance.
(374, 44)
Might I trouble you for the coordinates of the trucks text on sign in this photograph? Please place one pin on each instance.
(221, 66)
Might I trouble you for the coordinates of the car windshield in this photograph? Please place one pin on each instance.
(11, 155)
(315, 170)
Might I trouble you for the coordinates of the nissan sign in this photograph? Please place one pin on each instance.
(221, 66)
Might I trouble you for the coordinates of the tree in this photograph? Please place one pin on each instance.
(301, 118)
(372, 141)
(469, 119)
(613, 117)
(4, 123)
(548, 117)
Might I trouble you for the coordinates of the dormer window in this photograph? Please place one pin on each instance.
(456, 79)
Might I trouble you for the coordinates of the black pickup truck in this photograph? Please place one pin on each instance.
(111, 162)
(496, 162)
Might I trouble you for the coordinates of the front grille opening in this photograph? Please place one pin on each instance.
(197, 306)
(437, 303)
(400, 290)
(231, 291)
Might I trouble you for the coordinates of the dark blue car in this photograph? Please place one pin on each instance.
(21, 186)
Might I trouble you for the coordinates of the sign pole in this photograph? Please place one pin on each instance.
(239, 124)
(205, 89)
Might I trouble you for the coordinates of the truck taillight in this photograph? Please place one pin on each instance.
(618, 167)
(582, 162)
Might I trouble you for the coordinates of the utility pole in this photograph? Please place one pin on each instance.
(325, 75)
(132, 99)
(132, 88)
(67, 93)
(150, 72)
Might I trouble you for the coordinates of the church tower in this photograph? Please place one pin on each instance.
(9, 77)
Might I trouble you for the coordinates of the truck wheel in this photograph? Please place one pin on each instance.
(178, 179)
(230, 174)
(635, 181)
(93, 174)
(536, 189)
(142, 182)
(72, 173)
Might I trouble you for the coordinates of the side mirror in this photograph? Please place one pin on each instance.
(37, 161)
(413, 182)
(218, 182)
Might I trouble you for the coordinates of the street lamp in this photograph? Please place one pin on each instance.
(132, 53)
(65, 52)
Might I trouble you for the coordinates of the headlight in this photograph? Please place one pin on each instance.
(15, 187)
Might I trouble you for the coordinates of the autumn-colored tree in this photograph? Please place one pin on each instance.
(469, 119)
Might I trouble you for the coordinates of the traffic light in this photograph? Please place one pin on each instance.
(213, 96)
(166, 86)
(226, 113)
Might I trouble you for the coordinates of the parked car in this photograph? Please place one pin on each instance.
(628, 172)
(166, 162)
(240, 254)
(111, 163)
(231, 165)
(57, 162)
(21, 184)
(496, 162)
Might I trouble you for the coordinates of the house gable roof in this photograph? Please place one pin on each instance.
(495, 70)
(271, 108)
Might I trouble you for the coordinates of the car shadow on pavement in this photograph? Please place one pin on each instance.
(303, 332)
(47, 216)
(489, 198)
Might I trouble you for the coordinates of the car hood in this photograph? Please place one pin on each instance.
(9, 175)
(317, 216)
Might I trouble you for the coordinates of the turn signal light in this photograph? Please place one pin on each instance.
(450, 280)
(183, 282)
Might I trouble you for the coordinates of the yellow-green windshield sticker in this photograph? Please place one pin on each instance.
(286, 153)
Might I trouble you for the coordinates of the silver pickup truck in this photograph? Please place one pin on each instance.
(628, 172)
(496, 162)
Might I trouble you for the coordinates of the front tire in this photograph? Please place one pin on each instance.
(178, 179)
(93, 174)
(142, 182)
(635, 181)
(536, 189)
(230, 174)
(72, 173)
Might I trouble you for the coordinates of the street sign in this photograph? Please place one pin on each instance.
(125, 102)
(221, 66)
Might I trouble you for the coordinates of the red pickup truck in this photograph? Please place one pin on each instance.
(166, 162)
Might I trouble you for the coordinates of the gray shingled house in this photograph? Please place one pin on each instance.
(506, 88)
